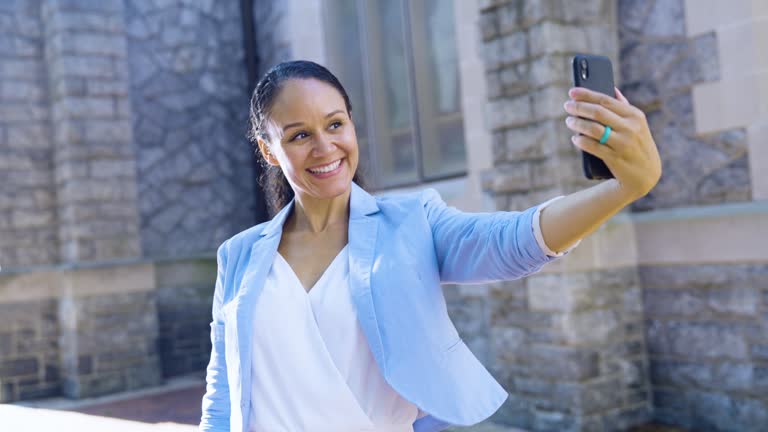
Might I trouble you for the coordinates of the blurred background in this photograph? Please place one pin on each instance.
(124, 164)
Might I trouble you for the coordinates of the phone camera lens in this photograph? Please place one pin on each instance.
(584, 68)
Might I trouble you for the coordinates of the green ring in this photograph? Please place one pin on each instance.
(606, 134)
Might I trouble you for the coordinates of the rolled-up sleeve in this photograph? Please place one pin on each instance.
(540, 238)
(483, 247)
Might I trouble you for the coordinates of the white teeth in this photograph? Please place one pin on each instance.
(328, 168)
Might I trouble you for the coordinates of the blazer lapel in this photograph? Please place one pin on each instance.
(363, 229)
(262, 255)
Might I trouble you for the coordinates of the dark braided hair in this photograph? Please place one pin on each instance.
(272, 179)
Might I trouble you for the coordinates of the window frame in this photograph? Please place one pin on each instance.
(417, 79)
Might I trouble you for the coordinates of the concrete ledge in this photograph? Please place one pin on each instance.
(109, 277)
(727, 233)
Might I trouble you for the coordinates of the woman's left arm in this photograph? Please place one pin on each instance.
(630, 153)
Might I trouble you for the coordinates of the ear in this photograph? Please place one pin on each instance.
(266, 154)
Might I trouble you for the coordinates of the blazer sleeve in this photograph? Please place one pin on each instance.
(483, 247)
(215, 404)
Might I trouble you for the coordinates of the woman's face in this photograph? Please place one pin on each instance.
(312, 138)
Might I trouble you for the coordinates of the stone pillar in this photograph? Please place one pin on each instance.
(95, 183)
(567, 343)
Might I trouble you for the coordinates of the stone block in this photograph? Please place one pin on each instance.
(720, 411)
(734, 301)
(489, 25)
(141, 377)
(69, 66)
(704, 51)
(39, 391)
(22, 91)
(6, 344)
(28, 136)
(627, 418)
(664, 19)
(19, 367)
(86, 21)
(106, 168)
(592, 327)
(21, 68)
(114, 132)
(549, 37)
(698, 339)
(107, 88)
(671, 406)
(95, 190)
(547, 104)
(694, 276)
(83, 107)
(103, 6)
(100, 385)
(530, 142)
(571, 292)
(509, 112)
(561, 363)
(674, 303)
(509, 178)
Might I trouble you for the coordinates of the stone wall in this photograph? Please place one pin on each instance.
(184, 300)
(93, 150)
(659, 67)
(707, 331)
(109, 343)
(568, 346)
(123, 158)
(705, 323)
(29, 350)
(28, 234)
(188, 90)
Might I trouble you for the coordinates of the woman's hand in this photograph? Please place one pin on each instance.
(630, 151)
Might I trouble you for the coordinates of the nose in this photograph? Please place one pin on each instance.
(323, 145)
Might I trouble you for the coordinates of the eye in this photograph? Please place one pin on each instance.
(299, 135)
(335, 125)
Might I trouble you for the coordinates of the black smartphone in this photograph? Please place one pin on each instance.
(595, 73)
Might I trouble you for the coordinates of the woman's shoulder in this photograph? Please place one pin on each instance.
(233, 244)
(409, 199)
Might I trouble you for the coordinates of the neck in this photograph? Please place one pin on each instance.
(317, 215)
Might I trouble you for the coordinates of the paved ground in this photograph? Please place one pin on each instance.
(173, 407)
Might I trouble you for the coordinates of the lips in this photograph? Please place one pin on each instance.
(325, 168)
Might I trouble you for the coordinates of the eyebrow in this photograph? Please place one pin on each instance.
(291, 125)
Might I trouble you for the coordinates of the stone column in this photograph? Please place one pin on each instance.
(567, 343)
(95, 176)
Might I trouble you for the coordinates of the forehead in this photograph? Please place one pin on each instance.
(299, 98)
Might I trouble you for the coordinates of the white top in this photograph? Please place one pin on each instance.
(312, 367)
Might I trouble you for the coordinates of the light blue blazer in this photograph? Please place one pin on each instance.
(401, 249)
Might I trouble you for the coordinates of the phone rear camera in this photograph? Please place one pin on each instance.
(584, 69)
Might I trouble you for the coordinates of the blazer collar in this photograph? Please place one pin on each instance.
(361, 204)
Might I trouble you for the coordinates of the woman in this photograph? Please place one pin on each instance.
(330, 316)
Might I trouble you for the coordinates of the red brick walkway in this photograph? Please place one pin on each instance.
(177, 406)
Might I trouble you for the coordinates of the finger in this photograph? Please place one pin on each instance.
(593, 147)
(611, 103)
(597, 113)
(620, 96)
(585, 127)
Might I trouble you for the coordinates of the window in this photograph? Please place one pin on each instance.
(398, 61)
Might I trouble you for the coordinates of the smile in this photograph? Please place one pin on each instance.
(325, 168)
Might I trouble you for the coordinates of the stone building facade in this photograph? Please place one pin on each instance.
(124, 165)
